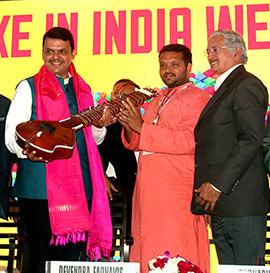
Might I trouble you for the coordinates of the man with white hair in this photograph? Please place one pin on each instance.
(229, 172)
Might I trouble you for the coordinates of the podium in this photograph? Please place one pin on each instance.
(91, 267)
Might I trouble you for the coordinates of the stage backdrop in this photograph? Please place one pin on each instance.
(121, 39)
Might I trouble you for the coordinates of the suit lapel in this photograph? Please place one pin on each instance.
(222, 90)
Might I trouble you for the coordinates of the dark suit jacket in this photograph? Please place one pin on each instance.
(6, 159)
(228, 150)
(123, 160)
(266, 146)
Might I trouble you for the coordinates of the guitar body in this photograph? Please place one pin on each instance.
(50, 139)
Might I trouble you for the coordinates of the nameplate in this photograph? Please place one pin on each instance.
(242, 269)
(91, 267)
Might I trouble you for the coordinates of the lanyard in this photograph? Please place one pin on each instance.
(167, 97)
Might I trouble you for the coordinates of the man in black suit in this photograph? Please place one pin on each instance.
(113, 151)
(5, 159)
(229, 172)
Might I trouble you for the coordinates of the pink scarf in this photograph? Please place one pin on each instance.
(69, 215)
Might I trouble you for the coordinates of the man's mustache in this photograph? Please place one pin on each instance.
(169, 74)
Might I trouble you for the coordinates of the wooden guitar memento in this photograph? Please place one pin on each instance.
(56, 139)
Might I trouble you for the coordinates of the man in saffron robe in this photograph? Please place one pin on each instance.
(63, 201)
(162, 219)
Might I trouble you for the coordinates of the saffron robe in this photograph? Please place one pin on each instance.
(161, 218)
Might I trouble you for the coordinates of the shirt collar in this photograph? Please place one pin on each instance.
(66, 80)
(224, 76)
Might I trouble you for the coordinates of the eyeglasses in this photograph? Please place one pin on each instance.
(214, 49)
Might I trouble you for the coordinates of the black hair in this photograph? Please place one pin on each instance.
(187, 55)
(59, 33)
(127, 81)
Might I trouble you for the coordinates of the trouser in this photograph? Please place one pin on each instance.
(240, 240)
(35, 216)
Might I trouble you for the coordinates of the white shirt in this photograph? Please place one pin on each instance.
(20, 111)
(224, 76)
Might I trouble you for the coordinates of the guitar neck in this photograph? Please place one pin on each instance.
(87, 117)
